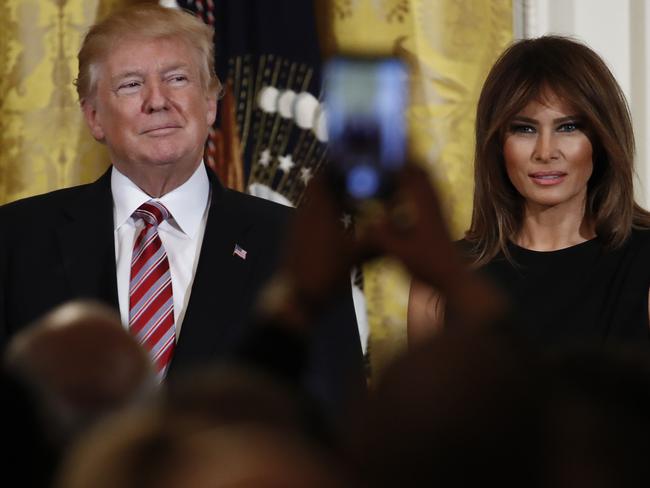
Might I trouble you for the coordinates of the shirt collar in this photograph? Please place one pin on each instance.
(187, 203)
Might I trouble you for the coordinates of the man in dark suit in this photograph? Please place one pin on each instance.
(157, 236)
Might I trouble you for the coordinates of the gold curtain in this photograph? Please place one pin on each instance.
(452, 43)
(44, 144)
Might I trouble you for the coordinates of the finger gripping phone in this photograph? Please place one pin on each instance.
(366, 100)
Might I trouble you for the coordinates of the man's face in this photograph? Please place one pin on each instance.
(150, 107)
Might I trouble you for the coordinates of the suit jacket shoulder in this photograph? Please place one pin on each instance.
(35, 210)
(55, 247)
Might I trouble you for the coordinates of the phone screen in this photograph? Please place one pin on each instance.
(366, 100)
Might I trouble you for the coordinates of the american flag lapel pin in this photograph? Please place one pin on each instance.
(239, 251)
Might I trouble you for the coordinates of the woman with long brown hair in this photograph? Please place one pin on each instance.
(554, 220)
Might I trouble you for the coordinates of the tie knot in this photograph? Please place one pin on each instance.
(152, 212)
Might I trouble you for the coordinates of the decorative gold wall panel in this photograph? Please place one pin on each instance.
(44, 144)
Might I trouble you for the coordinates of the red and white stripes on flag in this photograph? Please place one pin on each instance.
(151, 304)
(239, 251)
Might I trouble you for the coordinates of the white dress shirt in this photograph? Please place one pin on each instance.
(181, 234)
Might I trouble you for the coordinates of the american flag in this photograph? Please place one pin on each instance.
(239, 251)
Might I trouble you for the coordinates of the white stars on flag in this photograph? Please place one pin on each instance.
(286, 163)
(265, 158)
(306, 175)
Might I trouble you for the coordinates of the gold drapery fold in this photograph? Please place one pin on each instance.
(452, 44)
(44, 144)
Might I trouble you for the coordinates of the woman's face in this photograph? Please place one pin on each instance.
(548, 156)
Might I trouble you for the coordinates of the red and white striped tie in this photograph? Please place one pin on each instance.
(151, 303)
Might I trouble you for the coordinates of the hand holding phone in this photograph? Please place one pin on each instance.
(366, 99)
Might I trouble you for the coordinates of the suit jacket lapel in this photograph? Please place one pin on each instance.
(214, 311)
(87, 243)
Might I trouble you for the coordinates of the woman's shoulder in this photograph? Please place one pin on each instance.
(638, 242)
(471, 252)
(641, 234)
(464, 248)
(632, 256)
(638, 239)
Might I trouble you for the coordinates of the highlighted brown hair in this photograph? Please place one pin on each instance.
(525, 72)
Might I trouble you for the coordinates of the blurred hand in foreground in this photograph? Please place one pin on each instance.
(409, 226)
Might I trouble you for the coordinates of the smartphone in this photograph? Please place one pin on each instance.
(365, 102)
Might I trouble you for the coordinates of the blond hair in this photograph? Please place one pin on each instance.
(145, 21)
